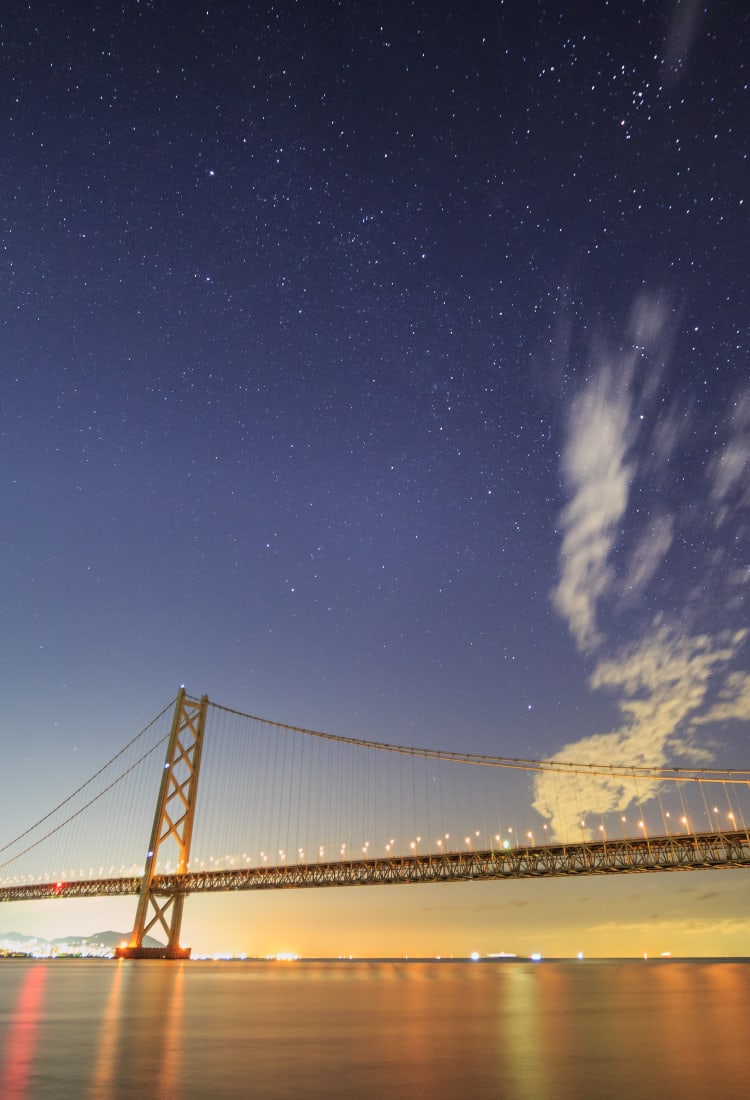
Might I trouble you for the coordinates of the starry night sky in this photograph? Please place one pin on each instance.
(379, 368)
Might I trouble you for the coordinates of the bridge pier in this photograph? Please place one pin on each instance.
(152, 952)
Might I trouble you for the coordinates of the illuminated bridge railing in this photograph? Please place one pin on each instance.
(698, 852)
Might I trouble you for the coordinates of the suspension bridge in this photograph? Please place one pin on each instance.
(280, 807)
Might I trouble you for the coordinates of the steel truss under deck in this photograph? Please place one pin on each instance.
(695, 852)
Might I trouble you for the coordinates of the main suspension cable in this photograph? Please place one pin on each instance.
(704, 775)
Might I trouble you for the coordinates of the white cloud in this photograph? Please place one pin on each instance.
(678, 677)
(733, 702)
(598, 476)
(602, 426)
(662, 681)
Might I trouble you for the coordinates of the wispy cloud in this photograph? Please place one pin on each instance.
(660, 684)
(668, 434)
(598, 478)
(729, 469)
(682, 32)
(599, 468)
(648, 556)
(681, 675)
(661, 681)
(679, 926)
(733, 702)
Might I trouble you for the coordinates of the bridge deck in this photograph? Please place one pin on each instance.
(698, 851)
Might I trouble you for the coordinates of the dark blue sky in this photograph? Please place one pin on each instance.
(380, 368)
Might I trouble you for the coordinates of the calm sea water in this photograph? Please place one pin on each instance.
(543, 1031)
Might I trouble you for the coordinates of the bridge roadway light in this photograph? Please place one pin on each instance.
(731, 818)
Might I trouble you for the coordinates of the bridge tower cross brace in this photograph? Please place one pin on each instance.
(173, 824)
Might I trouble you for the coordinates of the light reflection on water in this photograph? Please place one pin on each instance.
(103, 1077)
(22, 1034)
(545, 1031)
(168, 1078)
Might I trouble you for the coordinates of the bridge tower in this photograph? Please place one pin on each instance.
(173, 826)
